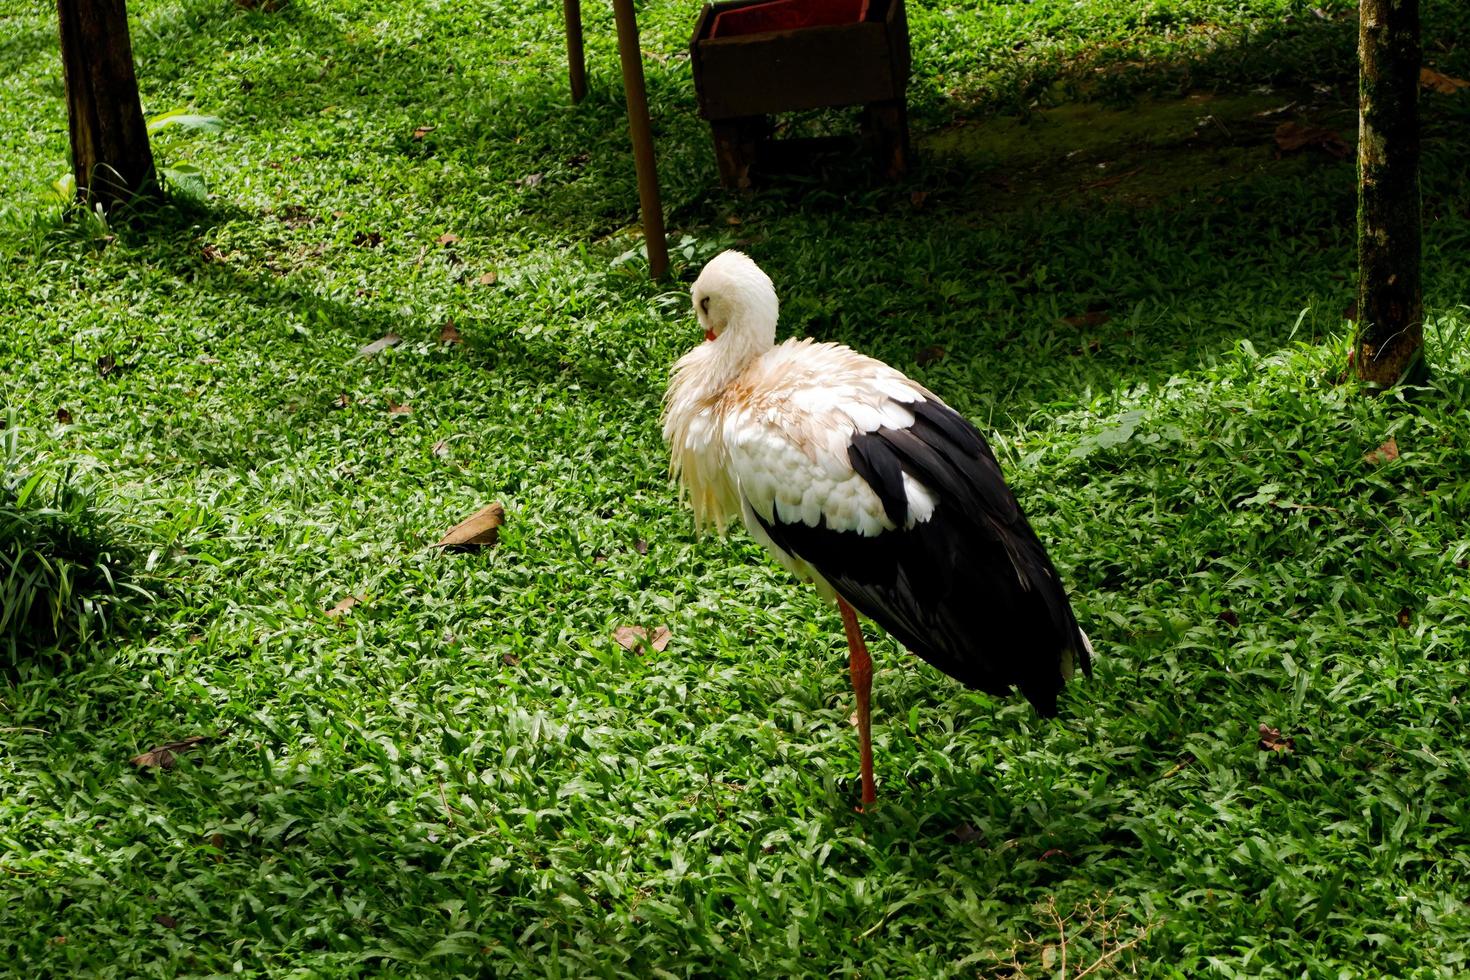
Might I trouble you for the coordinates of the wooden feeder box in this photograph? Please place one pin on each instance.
(755, 58)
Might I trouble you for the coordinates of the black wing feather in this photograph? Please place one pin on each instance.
(971, 590)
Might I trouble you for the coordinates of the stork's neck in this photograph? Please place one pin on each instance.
(742, 341)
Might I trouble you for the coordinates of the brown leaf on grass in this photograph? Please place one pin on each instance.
(367, 239)
(449, 333)
(1092, 318)
(344, 606)
(1293, 136)
(296, 216)
(166, 756)
(966, 834)
(1109, 181)
(632, 637)
(380, 345)
(448, 238)
(1273, 741)
(341, 401)
(1386, 453)
(165, 920)
(399, 408)
(421, 131)
(1441, 83)
(488, 278)
(928, 355)
(63, 416)
(479, 530)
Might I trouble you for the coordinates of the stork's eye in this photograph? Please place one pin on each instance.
(704, 305)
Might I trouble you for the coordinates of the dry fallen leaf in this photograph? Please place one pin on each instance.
(1293, 136)
(399, 408)
(63, 416)
(1441, 83)
(1386, 453)
(928, 355)
(480, 530)
(342, 607)
(448, 238)
(1092, 318)
(966, 834)
(1112, 180)
(380, 345)
(631, 637)
(165, 920)
(449, 333)
(488, 278)
(165, 756)
(1273, 741)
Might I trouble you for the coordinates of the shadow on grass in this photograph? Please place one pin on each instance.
(64, 577)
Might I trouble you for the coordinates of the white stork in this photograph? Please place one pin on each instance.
(862, 481)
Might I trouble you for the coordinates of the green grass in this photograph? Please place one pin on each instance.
(465, 775)
(61, 576)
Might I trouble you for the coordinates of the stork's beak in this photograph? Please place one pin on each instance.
(709, 335)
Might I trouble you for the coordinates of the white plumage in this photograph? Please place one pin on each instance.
(862, 481)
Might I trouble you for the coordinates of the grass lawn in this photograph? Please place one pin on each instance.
(1135, 295)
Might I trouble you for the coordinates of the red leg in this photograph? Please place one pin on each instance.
(861, 667)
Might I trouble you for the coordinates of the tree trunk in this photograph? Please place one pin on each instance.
(1390, 337)
(110, 156)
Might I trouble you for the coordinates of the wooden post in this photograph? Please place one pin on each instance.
(1390, 334)
(638, 127)
(576, 59)
(886, 127)
(110, 156)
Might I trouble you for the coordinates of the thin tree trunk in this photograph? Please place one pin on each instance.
(1390, 338)
(110, 156)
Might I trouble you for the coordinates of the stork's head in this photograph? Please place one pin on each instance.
(733, 296)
